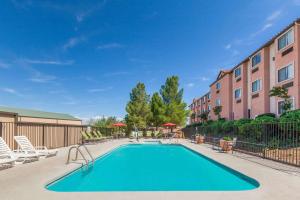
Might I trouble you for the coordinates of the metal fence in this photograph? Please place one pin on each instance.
(49, 135)
(276, 141)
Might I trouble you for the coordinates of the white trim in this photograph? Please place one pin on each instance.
(277, 70)
(286, 47)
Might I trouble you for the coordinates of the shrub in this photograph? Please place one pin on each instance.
(264, 119)
(291, 116)
(144, 133)
(228, 126)
(266, 114)
(227, 138)
(250, 131)
(152, 134)
(241, 122)
(216, 128)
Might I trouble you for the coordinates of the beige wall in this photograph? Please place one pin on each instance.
(48, 121)
(4, 117)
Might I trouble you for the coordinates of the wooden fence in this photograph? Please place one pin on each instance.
(49, 135)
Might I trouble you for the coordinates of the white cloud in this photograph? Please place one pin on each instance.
(274, 15)
(190, 85)
(72, 42)
(264, 28)
(204, 78)
(81, 15)
(42, 78)
(11, 91)
(110, 46)
(49, 62)
(4, 65)
(228, 46)
(94, 90)
(297, 2)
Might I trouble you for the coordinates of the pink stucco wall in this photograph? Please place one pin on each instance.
(240, 106)
(224, 93)
(258, 102)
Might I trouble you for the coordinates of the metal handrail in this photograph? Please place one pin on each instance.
(89, 153)
(77, 147)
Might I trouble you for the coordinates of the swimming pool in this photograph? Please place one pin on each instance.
(154, 167)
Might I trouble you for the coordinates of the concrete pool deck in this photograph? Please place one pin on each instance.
(27, 181)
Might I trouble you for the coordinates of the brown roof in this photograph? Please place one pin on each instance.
(221, 74)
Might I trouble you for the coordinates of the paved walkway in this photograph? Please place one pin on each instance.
(27, 181)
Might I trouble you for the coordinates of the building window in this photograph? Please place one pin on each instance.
(286, 73)
(218, 86)
(280, 104)
(218, 102)
(238, 93)
(286, 39)
(280, 107)
(237, 72)
(256, 86)
(256, 59)
(208, 108)
(208, 96)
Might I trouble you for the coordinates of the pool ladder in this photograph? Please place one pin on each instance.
(78, 150)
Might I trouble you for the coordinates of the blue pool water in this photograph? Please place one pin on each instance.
(154, 167)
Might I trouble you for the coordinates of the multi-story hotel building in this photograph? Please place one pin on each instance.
(199, 106)
(243, 91)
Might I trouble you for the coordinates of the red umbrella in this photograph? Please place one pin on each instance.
(119, 124)
(169, 124)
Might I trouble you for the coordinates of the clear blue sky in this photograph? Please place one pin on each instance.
(83, 57)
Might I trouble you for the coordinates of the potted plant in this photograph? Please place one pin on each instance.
(201, 139)
(226, 143)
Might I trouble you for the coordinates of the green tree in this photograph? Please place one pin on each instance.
(138, 109)
(104, 122)
(217, 111)
(278, 91)
(172, 97)
(157, 107)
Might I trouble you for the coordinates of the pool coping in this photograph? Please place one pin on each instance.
(20, 181)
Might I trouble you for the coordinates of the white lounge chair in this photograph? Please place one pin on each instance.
(6, 160)
(26, 146)
(19, 156)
